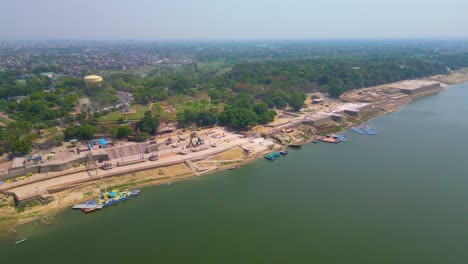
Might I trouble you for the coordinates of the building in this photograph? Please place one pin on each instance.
(418, 87)
(93, 81)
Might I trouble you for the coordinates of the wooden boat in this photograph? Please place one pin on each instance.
(88, 210)
(295, 145)
(329, 139)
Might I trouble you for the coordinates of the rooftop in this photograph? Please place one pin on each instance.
(413, 84)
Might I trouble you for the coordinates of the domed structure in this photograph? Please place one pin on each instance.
(93, 80)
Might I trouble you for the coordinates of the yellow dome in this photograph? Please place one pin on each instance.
(93, 78)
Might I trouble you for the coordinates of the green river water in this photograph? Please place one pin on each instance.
(398, 197)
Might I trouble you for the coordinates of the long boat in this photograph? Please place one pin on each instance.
(106, 199)
(20, 241)
(329, 139)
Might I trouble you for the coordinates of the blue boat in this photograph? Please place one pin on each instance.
(341, 137)
(364, 130)
(115, 201)
(273, 156)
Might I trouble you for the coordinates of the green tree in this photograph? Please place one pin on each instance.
(148, 124)
(142, 136)
(207, 117)
(70, 132)
(238, 117)
(124, 131)
(21, 146)
(86, 132)
(297, 101)
(113, 131)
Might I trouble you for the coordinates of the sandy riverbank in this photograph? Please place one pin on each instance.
(11, 217)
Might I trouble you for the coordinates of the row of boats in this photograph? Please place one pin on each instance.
(106, 199)
(276, 154)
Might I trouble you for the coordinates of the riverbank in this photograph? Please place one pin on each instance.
(54, 202)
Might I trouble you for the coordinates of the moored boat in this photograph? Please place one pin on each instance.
(295, 145)
(20, 241)
(329, 139)
(106, 199)
(273, 156)
(88, 210)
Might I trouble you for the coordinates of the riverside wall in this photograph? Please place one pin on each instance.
(43, 168)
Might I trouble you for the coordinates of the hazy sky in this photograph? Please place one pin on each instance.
(236, 19)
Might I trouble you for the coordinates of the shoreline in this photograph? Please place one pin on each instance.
(153, 177)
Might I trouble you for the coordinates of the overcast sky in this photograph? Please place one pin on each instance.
(233, 19)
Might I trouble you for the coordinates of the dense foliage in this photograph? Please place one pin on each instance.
(245, 82)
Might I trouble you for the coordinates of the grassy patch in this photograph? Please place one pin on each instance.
(197, 105)
(22, 207)
(114, 116)
(88, 193)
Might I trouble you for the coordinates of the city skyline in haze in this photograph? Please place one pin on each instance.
(241, 19)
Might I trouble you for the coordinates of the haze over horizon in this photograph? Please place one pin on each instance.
(242, 19)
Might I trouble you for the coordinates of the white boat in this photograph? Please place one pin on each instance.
(20, 241)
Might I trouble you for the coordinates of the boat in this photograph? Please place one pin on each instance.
(106, 199)
(116, 197)
(294, 145)
(88, 210)
(20, 241)
(273, 156)
(169, 183)
(284, 152)
(315, 141)
(329, 139)
(134, 193)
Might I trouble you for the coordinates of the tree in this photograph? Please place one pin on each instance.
(207, 117)
(148, 124)
(297, 101)
(124, 131)
(21, 146)
(86, 132)
(113, 131)
(238, 117)
(335, 91)
(336, 88)
(264, 115)
(142, 136)
(70, 132)
(55, 137)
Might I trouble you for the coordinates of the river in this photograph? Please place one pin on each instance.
(398, 197)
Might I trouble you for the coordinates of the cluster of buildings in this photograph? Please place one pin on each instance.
(74, 59)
